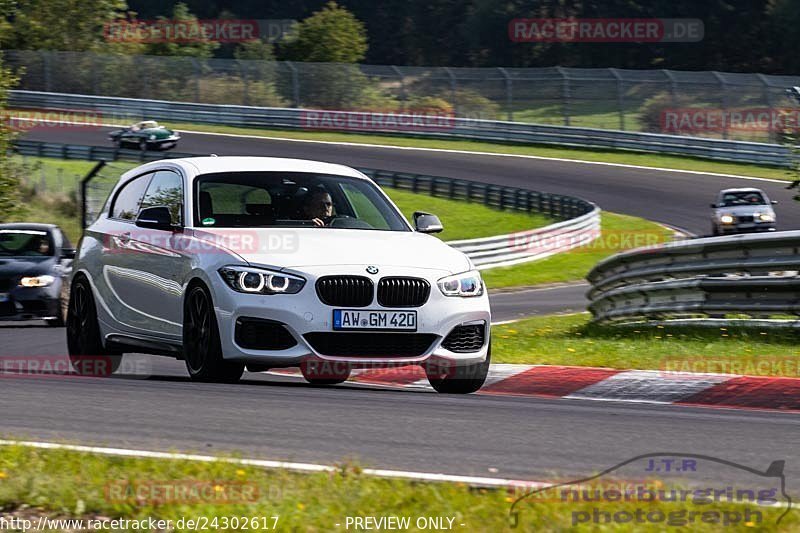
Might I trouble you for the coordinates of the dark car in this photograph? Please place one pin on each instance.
(144, 135)
(35, 263)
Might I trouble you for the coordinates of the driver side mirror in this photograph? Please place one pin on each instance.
(773, 202)
(157, 217)
(68, 253)
(427, 223)
(713, 206)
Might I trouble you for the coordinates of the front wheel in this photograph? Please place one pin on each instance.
(459, 379)
(87, 354)
(201, 343)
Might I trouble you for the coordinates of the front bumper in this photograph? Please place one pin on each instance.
(750, 227)
(304, 313)
(25, 303)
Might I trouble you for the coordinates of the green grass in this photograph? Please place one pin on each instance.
(572, 340)
(73, 484)
(461, 220)
(464, 220)
(607, 156)
(619, 232)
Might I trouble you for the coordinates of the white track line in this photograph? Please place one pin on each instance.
(263, 463)
(444, 150)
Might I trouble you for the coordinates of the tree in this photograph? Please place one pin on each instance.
(61, 24)
(330, 35)
(10, 171)
(193, 48)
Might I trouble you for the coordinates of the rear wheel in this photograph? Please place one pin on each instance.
(325, 372)
(87, 354)
(459, 379)
(201, 343)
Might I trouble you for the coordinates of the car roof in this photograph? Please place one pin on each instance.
(28, 225)
(741, 189)
(212, 165)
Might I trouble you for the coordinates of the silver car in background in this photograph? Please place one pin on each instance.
(743, 210)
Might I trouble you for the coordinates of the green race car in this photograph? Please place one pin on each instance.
(145, 135)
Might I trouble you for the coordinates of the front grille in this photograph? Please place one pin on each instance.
(345, 291)
(464, 339)
(5, 284)
(370, 344)
(260, 334)
(403, 292)
(744, 218)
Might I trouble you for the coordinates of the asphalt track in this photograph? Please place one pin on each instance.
(275, 418)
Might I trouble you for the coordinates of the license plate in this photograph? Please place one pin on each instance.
(366, 319)
(3, 297)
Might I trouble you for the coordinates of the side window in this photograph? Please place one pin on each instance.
(166, 188)
(126, 204)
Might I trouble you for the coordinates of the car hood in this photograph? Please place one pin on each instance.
(25, 266)
(295, 248)
(740, 210)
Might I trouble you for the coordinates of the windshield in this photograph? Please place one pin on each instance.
(25, 242)
(730, 199)
(295, 199)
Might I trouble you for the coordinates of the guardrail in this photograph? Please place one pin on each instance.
(579, 220)
(450, 128)
(728, 279)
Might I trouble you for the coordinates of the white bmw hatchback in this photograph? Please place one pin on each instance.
(234, 262)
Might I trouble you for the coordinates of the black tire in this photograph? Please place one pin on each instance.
(459, 379)
(202, 349)
(324, 372)
(87, 354)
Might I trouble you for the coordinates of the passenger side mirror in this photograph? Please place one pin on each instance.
(713, 206)
(157, 217)
(427, 223)
(773, 202)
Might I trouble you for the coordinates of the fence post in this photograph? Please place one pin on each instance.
(47, 73)
(509, 94)
(453, 85)
(403, 95)
(565, 95)
(295, 83)
(196, 65)
(245, 91)
(724, 101)
(620, 98)
(672, 87)
(773, 137)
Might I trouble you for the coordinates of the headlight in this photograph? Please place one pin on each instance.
(726, 219)
(259, 281)
(465, 284)
(37, 281)
(766, 217)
